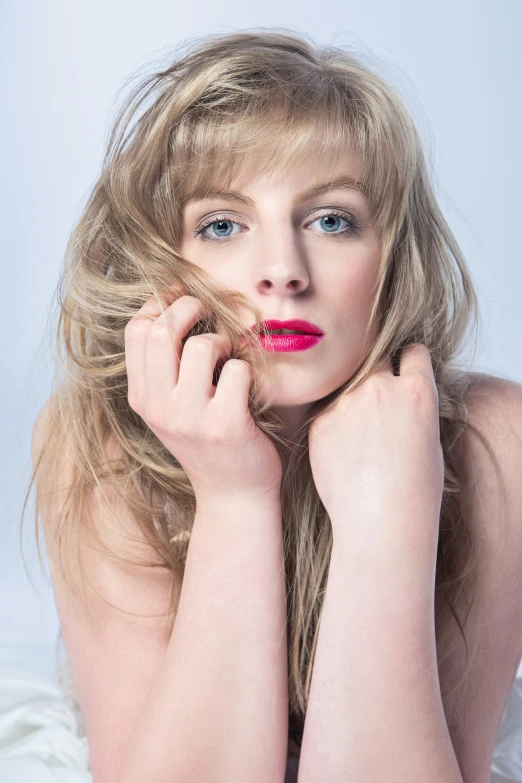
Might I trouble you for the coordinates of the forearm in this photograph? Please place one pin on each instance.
(218, 711)
(375, 710)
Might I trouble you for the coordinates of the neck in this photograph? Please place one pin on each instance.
(292, 417)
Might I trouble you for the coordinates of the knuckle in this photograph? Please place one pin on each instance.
(202, 342)
(159, 332)
(189, 304)
(136, 327)
(239, 365)
(189, 300)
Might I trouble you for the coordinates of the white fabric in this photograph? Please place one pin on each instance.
(43, 740)
(507, 756)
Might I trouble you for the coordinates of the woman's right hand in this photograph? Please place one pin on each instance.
(209, 429)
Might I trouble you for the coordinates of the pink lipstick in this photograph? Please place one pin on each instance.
(292, 335)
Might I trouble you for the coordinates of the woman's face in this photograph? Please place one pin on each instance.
(314, 258)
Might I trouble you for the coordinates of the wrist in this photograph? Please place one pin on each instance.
(238, 521)
(238, 503)
(386, 564)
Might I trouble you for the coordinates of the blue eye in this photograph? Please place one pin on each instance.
(334, 217)
(222, 231)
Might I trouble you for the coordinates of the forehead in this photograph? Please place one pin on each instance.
(307, 177)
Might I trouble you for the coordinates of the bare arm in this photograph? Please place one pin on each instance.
(375, 710)
(218, 709)
(189, 707)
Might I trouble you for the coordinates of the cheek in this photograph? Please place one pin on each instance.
(354, 291)
(352, 296)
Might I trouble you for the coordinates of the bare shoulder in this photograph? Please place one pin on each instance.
(117, 637)
(489, 395)
(103, 497)
(120, 561)
(494, 407)
(493, 506)
(47, 419)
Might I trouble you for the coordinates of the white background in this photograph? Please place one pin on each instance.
(457, 64)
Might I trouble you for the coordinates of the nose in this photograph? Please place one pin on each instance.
(282, 269)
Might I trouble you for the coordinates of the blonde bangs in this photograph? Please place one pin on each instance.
(211, 150)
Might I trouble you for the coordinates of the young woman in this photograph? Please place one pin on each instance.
(269, 546)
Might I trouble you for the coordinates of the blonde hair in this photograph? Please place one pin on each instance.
(181, 131)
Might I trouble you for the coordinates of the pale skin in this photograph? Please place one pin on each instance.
(375, 442)
(281, 256)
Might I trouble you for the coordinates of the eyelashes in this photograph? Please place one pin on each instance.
(352, 228)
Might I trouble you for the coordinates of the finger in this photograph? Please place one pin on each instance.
(163, 350)
(136, 332)
(135, 337)
(196, 371)
(233, 387)
(415, 359)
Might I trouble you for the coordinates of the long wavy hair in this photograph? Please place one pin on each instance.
(183, 130)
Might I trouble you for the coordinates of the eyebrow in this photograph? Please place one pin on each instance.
(340, 183)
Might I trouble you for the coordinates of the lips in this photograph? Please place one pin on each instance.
(294, 323)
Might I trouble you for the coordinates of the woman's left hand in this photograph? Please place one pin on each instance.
(377, 460)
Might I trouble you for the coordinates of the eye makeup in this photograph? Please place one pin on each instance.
(353, 226)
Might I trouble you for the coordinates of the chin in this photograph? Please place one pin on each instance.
(303, 386)
(296, 395)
